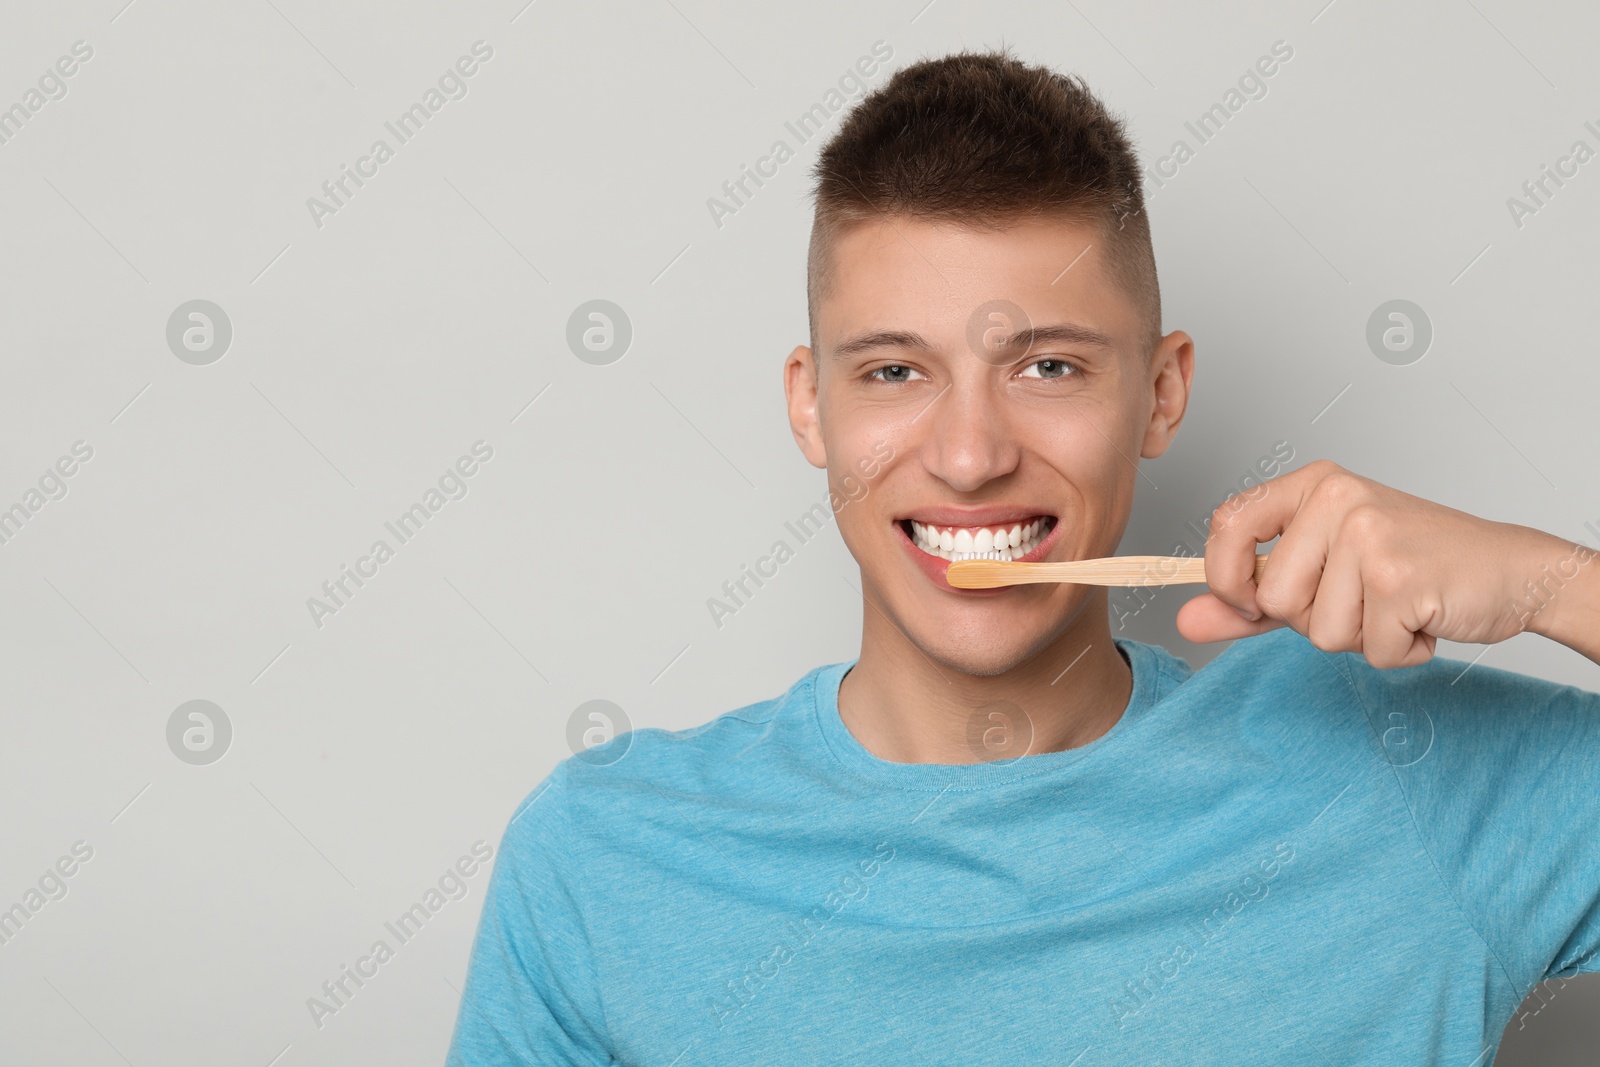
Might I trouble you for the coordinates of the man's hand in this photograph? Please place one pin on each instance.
(1361, 567)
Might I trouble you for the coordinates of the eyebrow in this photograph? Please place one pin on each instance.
(1055, 333)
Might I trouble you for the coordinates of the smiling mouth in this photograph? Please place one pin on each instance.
(1004, 543)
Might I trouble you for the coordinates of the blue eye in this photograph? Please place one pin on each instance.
(1049, 368)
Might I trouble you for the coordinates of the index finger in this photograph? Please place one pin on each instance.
(1247, 519)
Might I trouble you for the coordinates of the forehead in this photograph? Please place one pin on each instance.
(897, 272)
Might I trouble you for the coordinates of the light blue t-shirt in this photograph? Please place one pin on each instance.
(1285, 856)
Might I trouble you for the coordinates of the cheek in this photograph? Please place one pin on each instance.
(1080, 442)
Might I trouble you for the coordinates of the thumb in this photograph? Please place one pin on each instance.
(1205, 619)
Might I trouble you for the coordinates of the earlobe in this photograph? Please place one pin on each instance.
(800, 389)
(1172, 368)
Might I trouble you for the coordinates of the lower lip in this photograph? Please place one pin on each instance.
(936, 566)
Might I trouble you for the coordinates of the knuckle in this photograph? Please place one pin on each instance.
(1340, 488)
(1271, 599)
(1388, 577)
(1322, 636)
(1282, 600)
(1223, 516)
(1322, 641)
(1365, 522)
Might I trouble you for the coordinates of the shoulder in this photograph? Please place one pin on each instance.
(1267, 666)
(1281, 675)
(683, 758)
(650, 768)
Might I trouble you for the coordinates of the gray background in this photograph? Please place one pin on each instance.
(371, 352)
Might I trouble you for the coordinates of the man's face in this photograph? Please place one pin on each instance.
(1002, 374)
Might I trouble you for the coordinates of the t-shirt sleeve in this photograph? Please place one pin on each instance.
(1502, 775)
(530, 995)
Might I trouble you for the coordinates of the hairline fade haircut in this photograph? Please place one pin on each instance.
(983, 140)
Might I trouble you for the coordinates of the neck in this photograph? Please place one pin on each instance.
(904, 707)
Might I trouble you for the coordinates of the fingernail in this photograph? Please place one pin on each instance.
(1248, 616)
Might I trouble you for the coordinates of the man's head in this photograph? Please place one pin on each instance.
(985, 140)
(984, 313)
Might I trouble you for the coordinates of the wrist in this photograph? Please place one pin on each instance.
(1560, 598)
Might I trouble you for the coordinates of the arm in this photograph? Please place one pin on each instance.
(1504, 791)
(1360, 567)
(1563, 601)
(531, 995)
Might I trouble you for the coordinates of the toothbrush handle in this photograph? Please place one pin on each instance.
(1111, 571)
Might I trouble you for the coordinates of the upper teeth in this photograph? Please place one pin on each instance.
(979, 542)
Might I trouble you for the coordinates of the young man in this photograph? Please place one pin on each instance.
(1003, 835)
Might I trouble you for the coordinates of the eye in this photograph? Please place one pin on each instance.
(895, 374)
(1049, 368)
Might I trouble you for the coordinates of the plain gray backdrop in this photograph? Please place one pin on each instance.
(246, 849)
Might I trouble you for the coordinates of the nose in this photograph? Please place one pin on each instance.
(968, 440)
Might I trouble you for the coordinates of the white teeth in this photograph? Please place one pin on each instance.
(954, 543)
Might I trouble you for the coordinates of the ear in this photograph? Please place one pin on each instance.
(1172, 372)
(800, 389)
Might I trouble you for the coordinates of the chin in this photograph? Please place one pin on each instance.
(981, 658)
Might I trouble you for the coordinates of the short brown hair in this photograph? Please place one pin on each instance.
(984, 140)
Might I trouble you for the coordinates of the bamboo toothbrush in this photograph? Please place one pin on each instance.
(1113, 570)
